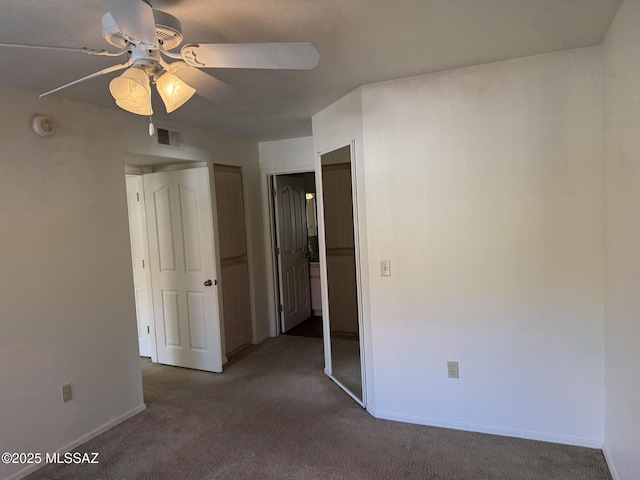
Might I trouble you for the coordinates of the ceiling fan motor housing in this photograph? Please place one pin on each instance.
(168, 30)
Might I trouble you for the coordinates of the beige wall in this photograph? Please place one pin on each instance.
(67, 311)
(294, 154)
(484, 190)
(621, 73)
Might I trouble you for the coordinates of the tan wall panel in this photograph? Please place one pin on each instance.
(237, 308)
(343, 305)
(234, 285)
(230, 205)
(338, 205)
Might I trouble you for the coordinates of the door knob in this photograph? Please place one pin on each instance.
(208, 283)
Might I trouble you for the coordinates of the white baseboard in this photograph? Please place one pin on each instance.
(262, 339)
(85, 438)
(610, 464)
(505, 432)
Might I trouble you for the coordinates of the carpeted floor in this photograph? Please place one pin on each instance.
(273, 414)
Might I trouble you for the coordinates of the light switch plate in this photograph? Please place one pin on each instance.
(385, 268)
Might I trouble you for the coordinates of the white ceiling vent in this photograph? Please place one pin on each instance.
(167, 137)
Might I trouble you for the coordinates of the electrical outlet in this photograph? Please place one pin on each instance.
(452, 369)
(66, 393)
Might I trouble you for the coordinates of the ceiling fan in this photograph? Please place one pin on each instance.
(147, 35)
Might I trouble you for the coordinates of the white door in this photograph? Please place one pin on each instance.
(293, 265)
(140, 264)
(183, 269)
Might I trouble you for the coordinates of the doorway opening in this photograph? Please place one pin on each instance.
(295, 255)
(175, 266)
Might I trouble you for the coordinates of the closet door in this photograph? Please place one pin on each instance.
(234, 261)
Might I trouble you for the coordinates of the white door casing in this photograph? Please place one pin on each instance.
(293, 265)
(140, 265)
(183, 269)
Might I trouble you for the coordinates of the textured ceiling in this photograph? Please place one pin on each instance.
(360, 42)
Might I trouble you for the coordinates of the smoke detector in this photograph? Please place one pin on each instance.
(42, 126)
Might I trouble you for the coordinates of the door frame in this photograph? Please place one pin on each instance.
(323, 270)
(273, 296)
(148, 292)
(278, 210)
(140, 164)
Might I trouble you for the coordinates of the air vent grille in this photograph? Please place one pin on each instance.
(167, 137)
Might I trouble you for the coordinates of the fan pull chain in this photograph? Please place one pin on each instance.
(152, 128)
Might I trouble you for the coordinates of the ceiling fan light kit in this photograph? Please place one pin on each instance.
(132, 92)
(147, 35)
(173, 91)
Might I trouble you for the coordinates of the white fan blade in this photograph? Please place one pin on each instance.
(206, 86)
(67, 49)
(135, 20)
(295, 56)
(115, 68)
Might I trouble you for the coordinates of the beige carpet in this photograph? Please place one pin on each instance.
(273, 414)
